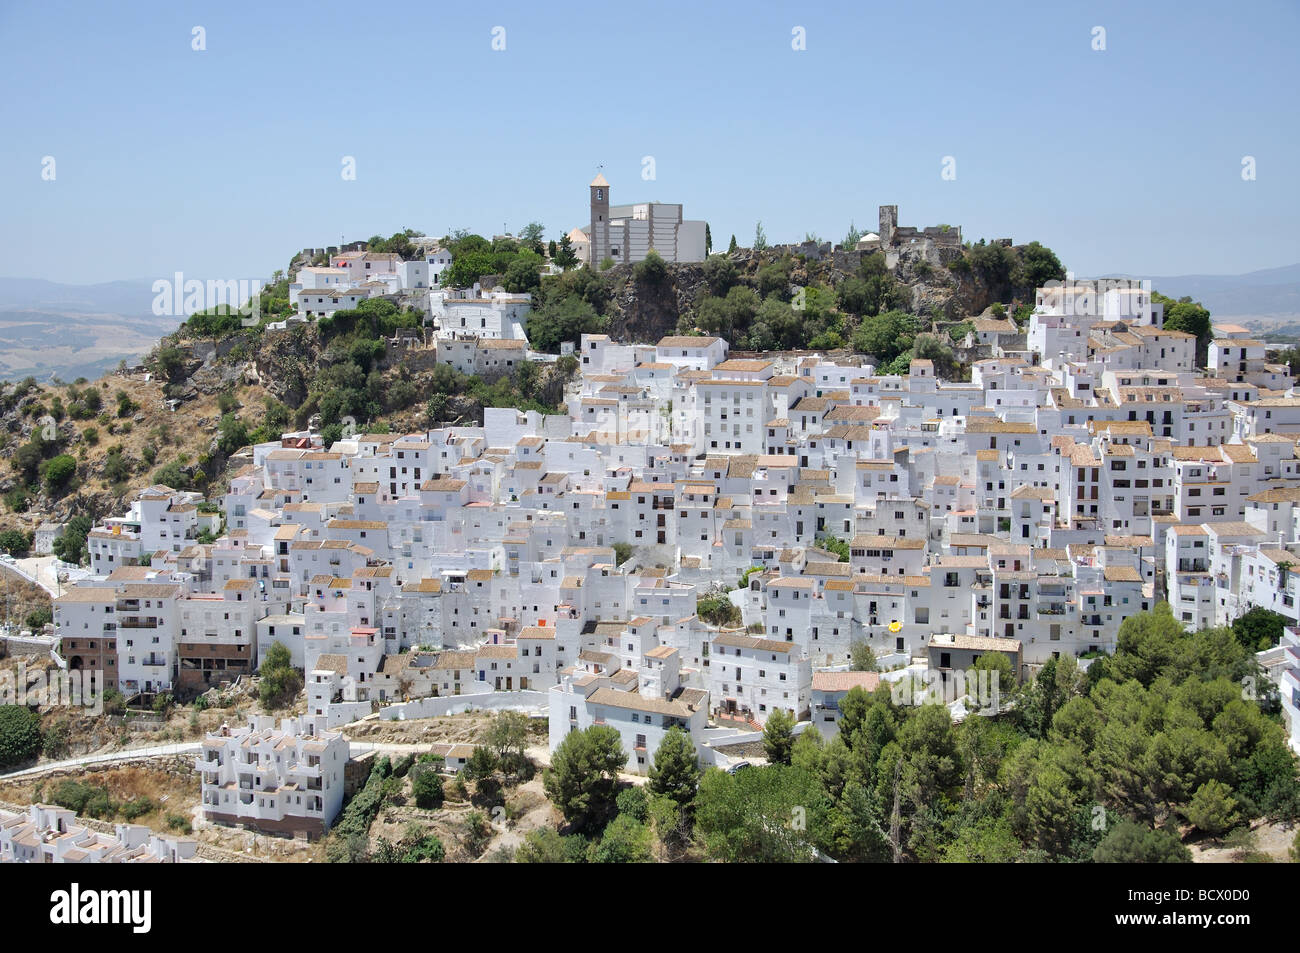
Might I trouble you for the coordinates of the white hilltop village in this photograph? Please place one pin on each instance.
(554, 564)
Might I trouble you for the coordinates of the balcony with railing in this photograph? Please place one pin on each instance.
(138, 622)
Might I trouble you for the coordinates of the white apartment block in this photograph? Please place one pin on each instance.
(280, 779)
(47, 834)
(1061, 490)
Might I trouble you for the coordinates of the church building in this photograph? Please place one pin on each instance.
(626, 233)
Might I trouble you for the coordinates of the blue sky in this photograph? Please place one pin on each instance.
(222, 163)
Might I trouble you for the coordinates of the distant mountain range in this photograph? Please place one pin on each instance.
(70, 331)
(1268, 300)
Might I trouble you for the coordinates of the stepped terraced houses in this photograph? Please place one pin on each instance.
(1071, 483)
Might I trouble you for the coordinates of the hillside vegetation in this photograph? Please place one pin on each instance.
(215, 385)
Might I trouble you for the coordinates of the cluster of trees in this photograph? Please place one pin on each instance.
(1009, 272)
(225, 320)
(607, 821)
(499, 757)
(42, 462)
(1155, 742)
(87, 799)
(352, 383)
(765, 310)
(518, 261)
(399, 243)
(568, 305)
(349, 840)
(527, 388)
(1171, 738)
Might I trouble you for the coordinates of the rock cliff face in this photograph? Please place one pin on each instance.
(287, 360)
(645, 312)
(640, 312)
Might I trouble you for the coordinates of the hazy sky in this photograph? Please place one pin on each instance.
(222, 163)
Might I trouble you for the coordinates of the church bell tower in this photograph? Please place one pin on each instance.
(599, 231)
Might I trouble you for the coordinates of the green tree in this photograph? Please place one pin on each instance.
(1213, 808)
(732, 246)
(675, 769)
(1131, 843)
(625, 841)
(583, 777)
(524, 275)
(778, 736)
(720, 275)
(760, 238)
(864, 658)
(770, 814)
(1037, 266)
(999, 668)
(20, 735)
(565, 256)
(70, 545)
(59, 473)
(886, 336)
(542, 846)
(1259, 628)
(38, 618)
(481, 766)
(566, 318)
(1190, 317)
(507, 737)
(717, 609)
(279, 682)
(232, 434)
(622, 553)
(170, 362)
(426, 785)
(15, 542)
(532, 234)
(929, 347)
(634, 802)
(651, 271)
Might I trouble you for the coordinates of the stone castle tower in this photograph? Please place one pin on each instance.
(598, 233)
(888, 223)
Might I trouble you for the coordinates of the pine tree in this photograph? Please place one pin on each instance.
(778, 736)
(675, 772)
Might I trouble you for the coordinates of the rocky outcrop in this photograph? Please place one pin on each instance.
(647, 311)
(286, 361)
